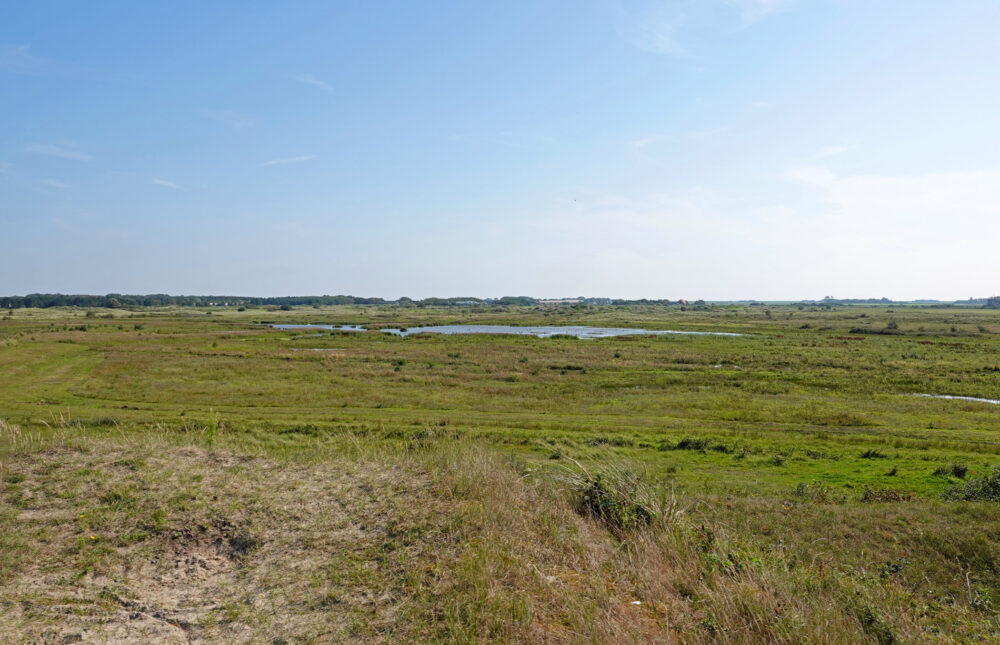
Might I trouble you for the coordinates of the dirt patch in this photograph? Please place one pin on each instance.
(185, 582)
(166, 597)
(193, 545)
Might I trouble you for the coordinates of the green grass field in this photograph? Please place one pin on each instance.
(196, 475)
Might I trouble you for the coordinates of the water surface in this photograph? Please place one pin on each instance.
(955, 397)
(579, 331)
(330, 327)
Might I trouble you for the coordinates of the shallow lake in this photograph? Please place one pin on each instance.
(540, 332)
(959, 398)
(330, 327)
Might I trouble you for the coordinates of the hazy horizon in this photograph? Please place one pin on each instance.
(390, 299)
(723, 150)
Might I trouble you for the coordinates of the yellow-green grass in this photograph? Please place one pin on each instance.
(769, 442)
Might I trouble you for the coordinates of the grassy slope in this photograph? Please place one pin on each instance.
(395, 489)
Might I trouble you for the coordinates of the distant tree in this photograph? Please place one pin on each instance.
(992, 303)
(524, 301)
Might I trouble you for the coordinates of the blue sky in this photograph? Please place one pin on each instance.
(771, 149)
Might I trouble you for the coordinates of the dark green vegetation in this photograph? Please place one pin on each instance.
(117, 300)
(780, 486)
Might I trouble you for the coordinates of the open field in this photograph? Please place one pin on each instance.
(192, 474)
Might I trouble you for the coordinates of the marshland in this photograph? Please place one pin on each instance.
(186, 474)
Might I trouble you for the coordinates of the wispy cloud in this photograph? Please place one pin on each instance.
(309, 79)
(831, 151)
(61, 152)
(662, 26)
(810, 176)
(652, 29)
(680, 136)
(639, 144)
(915, 214)
(279, 162)
(18, 59)
(167, 184)
(507, 139)
(54, 183)
(700, 133)
(231, 117)
(804, 247)
(752, 11)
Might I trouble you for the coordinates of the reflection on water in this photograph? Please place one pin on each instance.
(959, 398)
(540, 332)
(330, 327)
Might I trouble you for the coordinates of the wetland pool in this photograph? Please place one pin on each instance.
(579, 331)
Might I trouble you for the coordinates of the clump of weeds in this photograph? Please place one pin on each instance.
(981, 489)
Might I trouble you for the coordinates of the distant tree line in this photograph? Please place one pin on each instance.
(986, 303)
(114, 300)
(829, 300)
(523, 301)
(641, 301)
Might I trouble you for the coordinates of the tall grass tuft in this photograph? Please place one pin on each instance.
(8, 430)
(620, 499)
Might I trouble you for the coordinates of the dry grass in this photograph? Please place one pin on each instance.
(168, 540)
(132, 544)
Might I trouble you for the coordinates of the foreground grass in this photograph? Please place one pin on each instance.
(191, 478)
(201, 538)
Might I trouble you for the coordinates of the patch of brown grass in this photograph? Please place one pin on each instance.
(135, 544)
(434, 542)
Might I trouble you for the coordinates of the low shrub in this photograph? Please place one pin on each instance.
(614, 501)
(955, 470)
(883, 495)
(817, 492)
(775, 460)
(986, 489)
(689, 443)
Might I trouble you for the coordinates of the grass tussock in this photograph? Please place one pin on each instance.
(618, 498)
